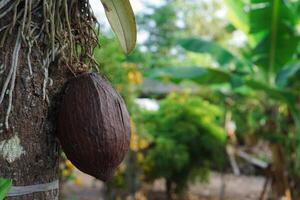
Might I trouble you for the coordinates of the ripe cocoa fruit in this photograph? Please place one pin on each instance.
(93, 125)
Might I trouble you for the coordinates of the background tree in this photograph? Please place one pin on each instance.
(187, 147)
(161, 29)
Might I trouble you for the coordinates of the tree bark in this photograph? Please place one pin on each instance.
(169, 190)
(29, 152)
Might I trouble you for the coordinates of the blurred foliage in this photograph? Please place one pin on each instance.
(67, 171)
(124, 74)
(184, 130)
(163, 24)
(110, 59)
(262, 73)
(209, 17)
(5, 185)
(160, 26)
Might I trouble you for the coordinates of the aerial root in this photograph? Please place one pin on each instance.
(14, 66)
(50, 28)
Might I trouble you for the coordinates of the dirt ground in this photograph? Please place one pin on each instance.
(236, 188)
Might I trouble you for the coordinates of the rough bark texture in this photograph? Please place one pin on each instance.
(35, 159)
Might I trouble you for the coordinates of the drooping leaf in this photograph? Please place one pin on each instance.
(197, 74)
(211, 76)
(219, 53)
(199, 45)
(122, 21)
(5, 185)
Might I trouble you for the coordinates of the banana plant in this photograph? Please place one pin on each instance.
(276, 25)
(273, 38)
(121, 18)
(5, 185)
(272, 55)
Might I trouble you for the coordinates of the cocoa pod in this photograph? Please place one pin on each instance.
(93, 125)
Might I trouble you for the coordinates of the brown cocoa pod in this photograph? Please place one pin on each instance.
(93, 125)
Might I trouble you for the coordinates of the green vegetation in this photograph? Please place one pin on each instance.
(188, 140)
(5, 185)
(254, 81)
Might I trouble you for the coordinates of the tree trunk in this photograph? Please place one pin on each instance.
(281, 188)
(29, 152)
(169, 189)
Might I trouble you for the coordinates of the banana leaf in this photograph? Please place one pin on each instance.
(212, 76)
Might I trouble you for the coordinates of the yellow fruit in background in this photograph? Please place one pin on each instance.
(137, 142)
(66, 172)
(140, 157)
(69, 164)
(130, 77)
(135, 77)
(77, 181)
(138, 77)
(134, 142)
(143, 143)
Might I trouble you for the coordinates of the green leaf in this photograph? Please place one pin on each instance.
(197, 74)
(219, 53)
(5, 185)
(122, 21)
(237, 15)
(210, 76)
(199, 45)
(275, 93)
(289, 76)
(277, 24)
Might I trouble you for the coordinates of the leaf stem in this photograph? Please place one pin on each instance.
(273, 45)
